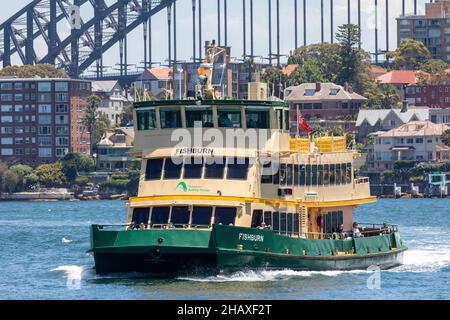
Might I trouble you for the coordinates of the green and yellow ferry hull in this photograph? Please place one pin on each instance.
(174, 251)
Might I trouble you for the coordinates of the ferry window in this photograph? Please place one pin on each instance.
(180, 215)
(214, 168)
(276, 221)
(296, 223)
(286, 120)
(314, 168)
(160, 215)
(302, 172)
(338, 173)
(268, 218)
(290, 223)
(320, 174)
(276, 175)
(258, 119)
(332, 174)
(348, 175)
(146, 120)
(289, 174)
(283, 222)
(283, 174)
(343, 172)
(257, 218)
(326, 174)
(170, 118)
(202, 216)
(279, 114)
(153, 169)
(308, 174)
(225, 216)
(140, 215)
(296, 174)
(286, 174)
(237, 168)
(193, 168)
(172, 168)
(229, 118)
(266, 174)
(203, 115)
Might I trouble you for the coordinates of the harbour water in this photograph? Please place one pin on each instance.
(43, 256)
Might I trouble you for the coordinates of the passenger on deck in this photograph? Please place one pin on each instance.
(269, 227)
(355, 231)
(141, 226)
(340, 231)
(262, 226)
(224, 121)
(131, 226)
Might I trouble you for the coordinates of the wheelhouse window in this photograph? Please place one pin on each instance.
(160, 215)
(237, 168)
(225, 216)
(140, 215)
(180, 216)
(146, 120)
(214, 168)
(201, 216)
(258, 119)
(153, 169)
(203, 115)
(172, 168)
(193, 167)
(229, 118)
(170, 118)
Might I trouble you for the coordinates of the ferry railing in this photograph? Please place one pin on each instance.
(152, 226)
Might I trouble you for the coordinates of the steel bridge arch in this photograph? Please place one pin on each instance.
(86, 43)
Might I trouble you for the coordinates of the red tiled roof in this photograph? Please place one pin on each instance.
(288, 69)
(161, 73)
(377, 71)
(401, 77)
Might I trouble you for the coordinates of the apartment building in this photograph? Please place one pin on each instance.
(41, 120)
(433, 28)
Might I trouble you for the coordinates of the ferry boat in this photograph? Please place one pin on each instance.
(208, 205)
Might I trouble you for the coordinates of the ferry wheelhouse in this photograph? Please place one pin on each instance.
(224, 186)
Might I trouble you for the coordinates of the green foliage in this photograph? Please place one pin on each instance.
(73, 163)
(127, 115)
(30, 71)
(21, 171)
(387, 176)
(311, 71)
(410, 55)
(274, 78)
(445, 138)
(8, 179)
(82, 181)
(434, 66)
(136, 164)
(119, 185)
(133, 183)
(50, 175)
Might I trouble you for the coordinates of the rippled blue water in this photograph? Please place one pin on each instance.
(43, 245)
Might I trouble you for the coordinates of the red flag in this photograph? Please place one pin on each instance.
(303, 125)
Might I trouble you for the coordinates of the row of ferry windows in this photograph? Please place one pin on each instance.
(226, 118)
(180, 216)
(281, 222)
(197, 168)
(309, 175)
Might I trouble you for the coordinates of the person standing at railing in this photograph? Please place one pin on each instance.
(356, 232)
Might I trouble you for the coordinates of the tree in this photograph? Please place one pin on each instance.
(96, 122)
(251, 67)
(8, 179)
(21, 171)
(390, 98)
(30, 71)
(50, 175)
(445, 138)
(311, 71)
(410, 55)
(434, 66)
(352, 58)
(327, 54)
(274, 78)
(127, 115)
(74, 163)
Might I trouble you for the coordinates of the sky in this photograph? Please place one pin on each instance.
(235, 38)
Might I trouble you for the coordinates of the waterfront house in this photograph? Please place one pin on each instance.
(324, 104)
(114, 150)
(112, 97)
(401, 79)
(415, 141)
(157, 81)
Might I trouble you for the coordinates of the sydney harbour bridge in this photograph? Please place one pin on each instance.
(82, 46)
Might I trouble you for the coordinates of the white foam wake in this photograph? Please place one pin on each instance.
(266, 275)
(425, 260)
(71, 272)
(64, 240)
